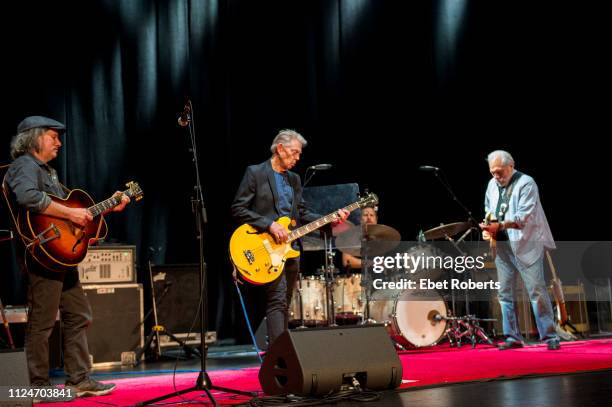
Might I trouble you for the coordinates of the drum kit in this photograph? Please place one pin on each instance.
(412, 318)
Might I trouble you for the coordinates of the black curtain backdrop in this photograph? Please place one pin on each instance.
(376, 87)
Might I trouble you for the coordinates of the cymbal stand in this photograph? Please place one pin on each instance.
(329, 280)
(455, 243)
(365, 275)
(301, 299)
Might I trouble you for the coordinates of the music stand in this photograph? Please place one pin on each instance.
(327, 199)
(203, 382)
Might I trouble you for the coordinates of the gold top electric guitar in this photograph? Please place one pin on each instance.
(257, 256)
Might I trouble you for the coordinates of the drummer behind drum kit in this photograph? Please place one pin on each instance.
(331, 298)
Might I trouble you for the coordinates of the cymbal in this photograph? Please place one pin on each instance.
(386, 237)
(313, 241)
(446, 230)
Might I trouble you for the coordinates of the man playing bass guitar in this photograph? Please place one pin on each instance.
(267, 192)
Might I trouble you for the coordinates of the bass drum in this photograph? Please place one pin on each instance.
(413, 318)
(313, 301)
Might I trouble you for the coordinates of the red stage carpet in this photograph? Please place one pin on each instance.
(422, 367)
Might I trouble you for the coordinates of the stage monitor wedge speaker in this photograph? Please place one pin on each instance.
(13, 375)
(317, 361)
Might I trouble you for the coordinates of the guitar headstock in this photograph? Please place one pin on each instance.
(369, 200)
(134, 191)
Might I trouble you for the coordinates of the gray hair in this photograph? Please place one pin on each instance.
(505, 156)
(26, 141)
(284, 137)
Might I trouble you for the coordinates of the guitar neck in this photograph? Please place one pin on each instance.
(312, 226)
(110, 203)
(553, 271)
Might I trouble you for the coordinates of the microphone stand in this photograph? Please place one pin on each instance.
(328, 271)
(314, 169)
(307, 177)
(203, 382)
(454, 196)
(447, 186)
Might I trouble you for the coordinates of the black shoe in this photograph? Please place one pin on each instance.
(510, 344)
(91, 387)
(553, 344)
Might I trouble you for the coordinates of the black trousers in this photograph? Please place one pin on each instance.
(278, 299)
(47, 292)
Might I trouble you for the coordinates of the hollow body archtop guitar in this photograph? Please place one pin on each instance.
(59, 244)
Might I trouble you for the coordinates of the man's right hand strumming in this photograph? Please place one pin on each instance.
(80, 216)
(278, 232)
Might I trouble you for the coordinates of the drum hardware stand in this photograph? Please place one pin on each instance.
(329, 280)
(455, 243)
(365, 279)
(471, 326)
(440, 176)
(299, 284)
(398, 345)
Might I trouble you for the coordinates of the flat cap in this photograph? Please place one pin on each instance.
(32, 122)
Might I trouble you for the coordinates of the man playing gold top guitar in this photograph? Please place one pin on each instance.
(269, 191)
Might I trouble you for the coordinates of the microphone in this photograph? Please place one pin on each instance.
(320, 167)
(185, 116)
(428, 168)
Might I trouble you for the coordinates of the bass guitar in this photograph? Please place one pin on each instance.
(257, 256)
(557, 289)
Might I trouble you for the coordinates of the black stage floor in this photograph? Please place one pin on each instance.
(583, 389)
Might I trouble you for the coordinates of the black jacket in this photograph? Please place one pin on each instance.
(256, 201)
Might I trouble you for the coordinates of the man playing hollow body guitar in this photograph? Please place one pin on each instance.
(29, 180)
(267, 192)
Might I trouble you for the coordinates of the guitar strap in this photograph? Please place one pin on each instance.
(504, 196)
(26, 239)
(503, 203)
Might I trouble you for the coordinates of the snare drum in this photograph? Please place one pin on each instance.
(411, 320)
(313, 301)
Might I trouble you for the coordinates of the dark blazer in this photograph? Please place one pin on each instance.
(256, 201)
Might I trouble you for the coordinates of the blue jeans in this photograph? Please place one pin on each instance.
(508, 270)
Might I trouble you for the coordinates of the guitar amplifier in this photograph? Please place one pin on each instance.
(108, 264)
(117, 329)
